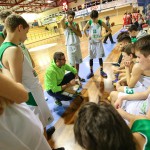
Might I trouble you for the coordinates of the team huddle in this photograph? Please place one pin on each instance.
(123, 123)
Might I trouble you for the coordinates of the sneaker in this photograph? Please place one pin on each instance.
(46, 98)
(113, 42)
(81, 79)
(49, 132)
(103, 74)
(117, 75)
(61, 148)
(116, 64)
(90, 75)
(114, 81)
(59, 103)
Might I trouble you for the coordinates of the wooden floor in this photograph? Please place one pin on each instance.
(63, 136)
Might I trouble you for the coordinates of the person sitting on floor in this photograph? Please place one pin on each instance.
(56, 81)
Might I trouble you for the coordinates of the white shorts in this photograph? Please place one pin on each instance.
(135, 107)
(128, 90)
(74, 54)
(96, 50)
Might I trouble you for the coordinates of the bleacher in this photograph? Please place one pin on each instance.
(36, 34)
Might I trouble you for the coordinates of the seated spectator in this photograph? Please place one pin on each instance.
(56, 81)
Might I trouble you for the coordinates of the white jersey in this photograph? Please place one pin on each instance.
(136, 107)
(70, 37)
(20, 129)
(141, 85)
(32, 85)
(95, 31)
(26, 53)
(95, 45)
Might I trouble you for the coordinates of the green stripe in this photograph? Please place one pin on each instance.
(31, 100)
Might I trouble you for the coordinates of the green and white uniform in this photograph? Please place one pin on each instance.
(96, 49)
(32, 85)
(136, 107)
(2, 35)
(26, 53)
(73, 45)
(142, 126)
(20, 129)
(140, 86)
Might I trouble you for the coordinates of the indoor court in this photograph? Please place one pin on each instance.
(42, 44)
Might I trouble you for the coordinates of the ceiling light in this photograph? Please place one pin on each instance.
(49, 1)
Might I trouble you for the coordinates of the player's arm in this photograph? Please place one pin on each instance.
(134, 78)
(62, 22)
(11, 90)
(85, 28)
(76, 31)
(136, 96)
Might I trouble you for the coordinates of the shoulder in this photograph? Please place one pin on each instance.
(100, 22)
(14, 51)
(137, 67)
(90, 22)
(66, 23)
(76, 24)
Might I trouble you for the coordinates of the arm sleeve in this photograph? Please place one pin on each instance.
(100, 22)
(51, 82)
(70, 68)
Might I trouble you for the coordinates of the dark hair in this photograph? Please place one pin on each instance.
(100, 127)
(143, 45)
(70, 12)
(125, 38)
(107, 17)
(129, 49)
(133, 28)
(122, 33)
(57, 56)
(94, 14)
(13, 21)
(4, 14)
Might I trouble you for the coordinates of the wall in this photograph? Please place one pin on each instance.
(30, 17)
